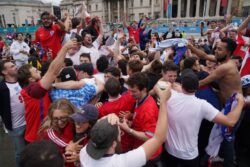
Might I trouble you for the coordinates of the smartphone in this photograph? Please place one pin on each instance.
(57, 11)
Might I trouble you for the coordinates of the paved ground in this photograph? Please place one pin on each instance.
(7, 157)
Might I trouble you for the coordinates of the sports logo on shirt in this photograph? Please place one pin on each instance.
(52, 32)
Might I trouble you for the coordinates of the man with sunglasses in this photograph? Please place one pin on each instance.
(50, 35)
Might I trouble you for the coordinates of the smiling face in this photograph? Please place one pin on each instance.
(60, 119)
(221, 51)
(170, 76)
(46, 21)
(81, 127)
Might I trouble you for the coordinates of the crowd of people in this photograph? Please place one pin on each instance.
(74, 96)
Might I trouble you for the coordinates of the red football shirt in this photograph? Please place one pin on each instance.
(145, 119)
(125, 103)
(61, 139)
(50, 39)
(134, 33)
(36, 103)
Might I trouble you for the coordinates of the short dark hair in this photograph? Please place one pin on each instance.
(45, 13)
(78, 38)
(23, 75)
(189, 81)
(135, 65)
(84, 33)
(231, 44)
(156, 67)
(17, 33)
(87, 55)
(169, 66)
(138, 79)
(2, 66)
(189, 62)
(122, 64)
(116, 72)
(102, 63)
(75, 22)
(41, 154)
(113, 87)
(68, 62)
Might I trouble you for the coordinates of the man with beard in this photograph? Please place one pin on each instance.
(12, 106)
(50, 35)
(228, 78)
(226, 73)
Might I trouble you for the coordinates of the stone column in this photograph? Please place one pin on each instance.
(124, 6)
(152, 9)
(218, 8)
(207, 8)
(162, 8)
(103, 12)
(109, 11)
(229, 6)
(118, 11)
(179, 9)
(188, 9)
(197, 11)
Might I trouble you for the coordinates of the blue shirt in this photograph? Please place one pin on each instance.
(78, 97)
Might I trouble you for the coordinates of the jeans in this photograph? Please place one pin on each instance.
(17, 137)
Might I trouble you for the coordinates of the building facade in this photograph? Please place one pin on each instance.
(21, 12)
(114, 11)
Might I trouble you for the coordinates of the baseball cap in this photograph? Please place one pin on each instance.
(102, 136)
(67, 74)
(245, 81)
(189, 81)
(88, 112)
(86, 67)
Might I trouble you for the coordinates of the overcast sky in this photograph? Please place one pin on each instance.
(55, 2)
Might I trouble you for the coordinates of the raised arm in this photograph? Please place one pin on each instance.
(233, 116)
(244, 24)
(219, 72)
(153, 144)
(201, 54)
(56, 65)
(58, 21)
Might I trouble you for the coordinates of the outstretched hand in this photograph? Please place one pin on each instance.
(164, 92)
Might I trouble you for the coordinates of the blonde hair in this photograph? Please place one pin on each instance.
(61, 104)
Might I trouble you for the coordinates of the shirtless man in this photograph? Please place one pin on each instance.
(226, 73)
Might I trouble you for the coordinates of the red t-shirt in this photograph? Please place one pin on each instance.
(36, 103)
(145, 119)
(134, 33)
(125, 103)
(61, 139)
(50, 39)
